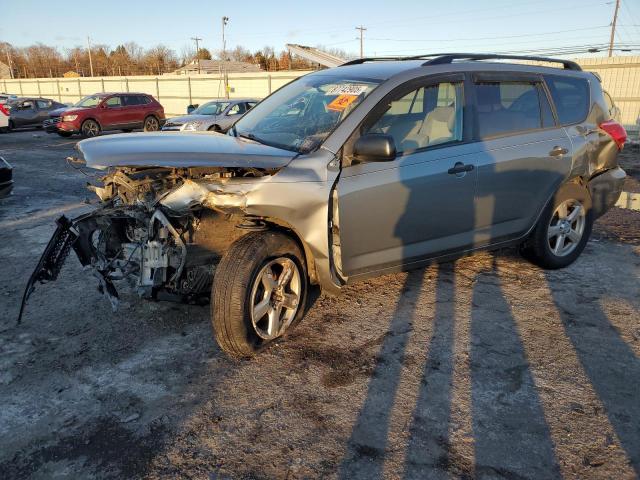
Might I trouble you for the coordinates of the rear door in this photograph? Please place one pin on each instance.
(133, 110)
(422, 203)
(43, 106)
(525, 154)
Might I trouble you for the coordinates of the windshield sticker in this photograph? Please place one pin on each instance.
(348, 89)
(341, 102)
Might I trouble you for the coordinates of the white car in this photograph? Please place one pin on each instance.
(7, 97)
(4, 118)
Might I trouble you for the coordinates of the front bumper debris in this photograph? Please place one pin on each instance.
(52, 259)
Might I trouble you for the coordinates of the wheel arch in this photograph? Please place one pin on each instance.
(278, 225)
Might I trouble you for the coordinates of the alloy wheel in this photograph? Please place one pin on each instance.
(90, 129)
(566, 227)
(151, 125)
(275, 297)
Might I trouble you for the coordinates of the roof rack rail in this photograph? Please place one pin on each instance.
(444, 58)
(450, 57)
(358, 61)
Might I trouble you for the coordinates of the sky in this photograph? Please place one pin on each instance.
(398, 27)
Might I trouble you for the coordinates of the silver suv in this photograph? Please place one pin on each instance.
(376, 166)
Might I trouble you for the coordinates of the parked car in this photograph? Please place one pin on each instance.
(6, 97)
(217, 115)
(107, 111)
(4, 118)
(346, 173)
(6, 178)
(30, 111)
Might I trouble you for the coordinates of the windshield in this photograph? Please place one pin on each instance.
(90, 101)
(301, 115)
(211, 108)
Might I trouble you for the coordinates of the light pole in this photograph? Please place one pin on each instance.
(90, 59)
(225, 20)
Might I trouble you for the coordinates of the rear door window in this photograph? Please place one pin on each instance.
(571, 97)
(506, 107)
(43, 104)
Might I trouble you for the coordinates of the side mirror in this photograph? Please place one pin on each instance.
(103, 105)
(191, 108)
(375, 147)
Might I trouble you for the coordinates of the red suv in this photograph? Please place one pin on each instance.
(108, 111)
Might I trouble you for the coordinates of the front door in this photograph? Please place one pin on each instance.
(113, 115)
(422, 203)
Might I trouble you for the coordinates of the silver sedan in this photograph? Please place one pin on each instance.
(216, 115)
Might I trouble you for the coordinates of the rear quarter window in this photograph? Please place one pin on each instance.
(571, 97)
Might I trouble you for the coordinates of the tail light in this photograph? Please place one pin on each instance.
(615, 131)
(3, 109)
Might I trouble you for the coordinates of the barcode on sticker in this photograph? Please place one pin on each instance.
(347, 89)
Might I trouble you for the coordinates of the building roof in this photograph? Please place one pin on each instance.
(218, 66)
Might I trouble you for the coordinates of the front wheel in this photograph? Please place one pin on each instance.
(90, 128)
(563, 229)
(151, 124)
(259, 292)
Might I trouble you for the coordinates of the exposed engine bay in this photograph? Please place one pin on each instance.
(161, 229)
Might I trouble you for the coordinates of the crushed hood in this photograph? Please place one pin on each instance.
(180, 150)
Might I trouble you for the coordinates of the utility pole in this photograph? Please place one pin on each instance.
(613, 28)
(90, 59)
(225, 20)
(197, 40)
(362, 29)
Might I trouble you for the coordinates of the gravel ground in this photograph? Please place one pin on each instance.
(483, 368)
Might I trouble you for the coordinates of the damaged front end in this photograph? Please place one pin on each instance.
(162, 229)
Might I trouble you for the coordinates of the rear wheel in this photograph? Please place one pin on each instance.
(563, 229)
(151, 124)
(259, 292)
(90, 128)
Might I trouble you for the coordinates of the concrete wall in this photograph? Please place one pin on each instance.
(175, 92)
(620, 77)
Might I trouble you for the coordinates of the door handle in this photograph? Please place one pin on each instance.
(558, 151)
(459, 168)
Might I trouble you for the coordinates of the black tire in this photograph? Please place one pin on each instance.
(151, 124)
(64, 134)
(10, 126)
(232, 290)
(538, 248)
(90, 128)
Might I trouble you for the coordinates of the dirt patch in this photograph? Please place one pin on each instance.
(486, 367)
